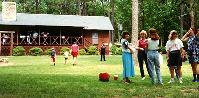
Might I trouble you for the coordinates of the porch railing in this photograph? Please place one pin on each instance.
(41, 40)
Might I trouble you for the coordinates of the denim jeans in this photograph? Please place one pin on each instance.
(153, 61)
(142, 57)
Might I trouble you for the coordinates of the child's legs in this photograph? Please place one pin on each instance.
(53, 58)
(74, 60)
(66, 60)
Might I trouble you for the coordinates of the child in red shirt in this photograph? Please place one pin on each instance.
(53, 54)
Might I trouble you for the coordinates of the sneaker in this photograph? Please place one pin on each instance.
(171, 81)
(197, 80)
(143, 78)
(194, 80)
(160, 83)
(180, 80)
(129, 81)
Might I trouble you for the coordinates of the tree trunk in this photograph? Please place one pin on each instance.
(79, 7)
(191, 13)
(37, 6)
(181, 17)
(134, 22)
(112, 17)
(95, 4)
(134, 26)
(84, 9)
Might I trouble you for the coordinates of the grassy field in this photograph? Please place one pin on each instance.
(34, 77)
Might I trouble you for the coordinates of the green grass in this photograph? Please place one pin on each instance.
(34, 77)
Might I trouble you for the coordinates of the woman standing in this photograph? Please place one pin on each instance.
(174, 48)
(128, 64)
(153, 56)
(193, 51)
(142, 56)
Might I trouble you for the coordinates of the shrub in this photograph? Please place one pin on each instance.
(92, 50)
(18, 51)
(119, 51)
(64, 49)
(82, 52)
(114, 50)
(47, 52)
(163, 50)
(35, 51)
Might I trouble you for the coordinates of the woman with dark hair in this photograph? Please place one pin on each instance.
(128, 64)
(142, 56)
(153, 56)
(193, 51)
(174, 48)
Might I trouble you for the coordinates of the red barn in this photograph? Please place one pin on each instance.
(47, 30)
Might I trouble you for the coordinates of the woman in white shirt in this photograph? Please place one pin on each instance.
(174, 48)
(153, 56)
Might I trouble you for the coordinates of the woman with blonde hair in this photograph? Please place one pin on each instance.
(174, 48)
(142, 55)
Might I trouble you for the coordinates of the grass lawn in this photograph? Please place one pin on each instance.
(34, 77)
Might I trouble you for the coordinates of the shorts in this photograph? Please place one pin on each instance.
(53, 58)
(175, 58)
(74, 54)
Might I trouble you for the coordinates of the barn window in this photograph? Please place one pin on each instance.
(95, 38)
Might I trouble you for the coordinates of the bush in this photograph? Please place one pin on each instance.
(18, 51)
(35, 51)
(163, 50)
(64, 49)
(114, 50)
(82, 52)
(92, 50)
(119, 51)
(48, 52)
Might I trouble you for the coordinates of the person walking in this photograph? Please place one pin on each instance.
(128, 63)
(66, 56)
(174, 48)
(192, 38)
(74, 52)
(142, 55)
(53, 56)
(153, 56)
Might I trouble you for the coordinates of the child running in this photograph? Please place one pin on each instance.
(53, 55)
(66, 54)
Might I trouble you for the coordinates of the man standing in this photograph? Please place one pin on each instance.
(103, 52)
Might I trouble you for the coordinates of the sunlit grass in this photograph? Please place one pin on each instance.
(29, 76)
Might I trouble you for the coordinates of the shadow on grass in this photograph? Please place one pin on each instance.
(78, 86)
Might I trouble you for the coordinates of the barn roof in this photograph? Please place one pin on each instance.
(86, 22)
